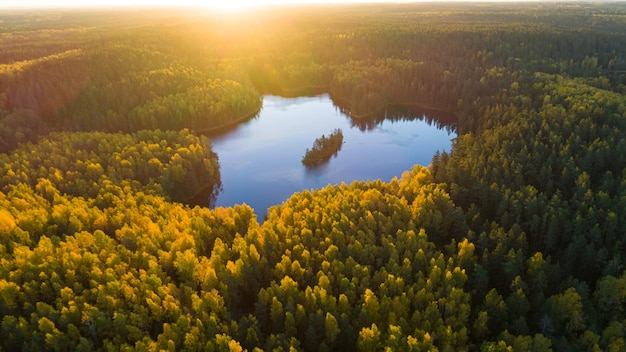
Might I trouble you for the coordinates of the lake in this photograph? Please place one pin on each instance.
(260, 160)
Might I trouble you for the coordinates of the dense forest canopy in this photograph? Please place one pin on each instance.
(514, 240)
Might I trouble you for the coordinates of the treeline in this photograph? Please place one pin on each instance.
(511, 241)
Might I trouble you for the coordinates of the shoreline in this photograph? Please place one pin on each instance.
(245, 117)
(339, 101)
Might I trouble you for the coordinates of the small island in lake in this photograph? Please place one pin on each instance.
(323, 148)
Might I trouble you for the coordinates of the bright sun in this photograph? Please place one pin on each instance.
(225, 5)
(232, 5)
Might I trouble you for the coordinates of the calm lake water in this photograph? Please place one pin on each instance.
(260, 160)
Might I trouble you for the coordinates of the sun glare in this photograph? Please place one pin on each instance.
(229, 6)
(222, 5)
(235, 5)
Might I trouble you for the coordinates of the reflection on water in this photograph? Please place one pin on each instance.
(260, 159)
(206, 197)
(437, 118)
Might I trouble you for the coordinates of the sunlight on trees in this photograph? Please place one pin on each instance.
(511, 241)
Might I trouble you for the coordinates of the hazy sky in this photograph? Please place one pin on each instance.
(225, 4)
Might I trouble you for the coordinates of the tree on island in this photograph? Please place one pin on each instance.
(323, 148)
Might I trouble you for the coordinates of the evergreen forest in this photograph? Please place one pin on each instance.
(514, 240)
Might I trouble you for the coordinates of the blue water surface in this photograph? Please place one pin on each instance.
(260, 160)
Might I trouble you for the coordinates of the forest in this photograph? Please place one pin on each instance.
(511, 241)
